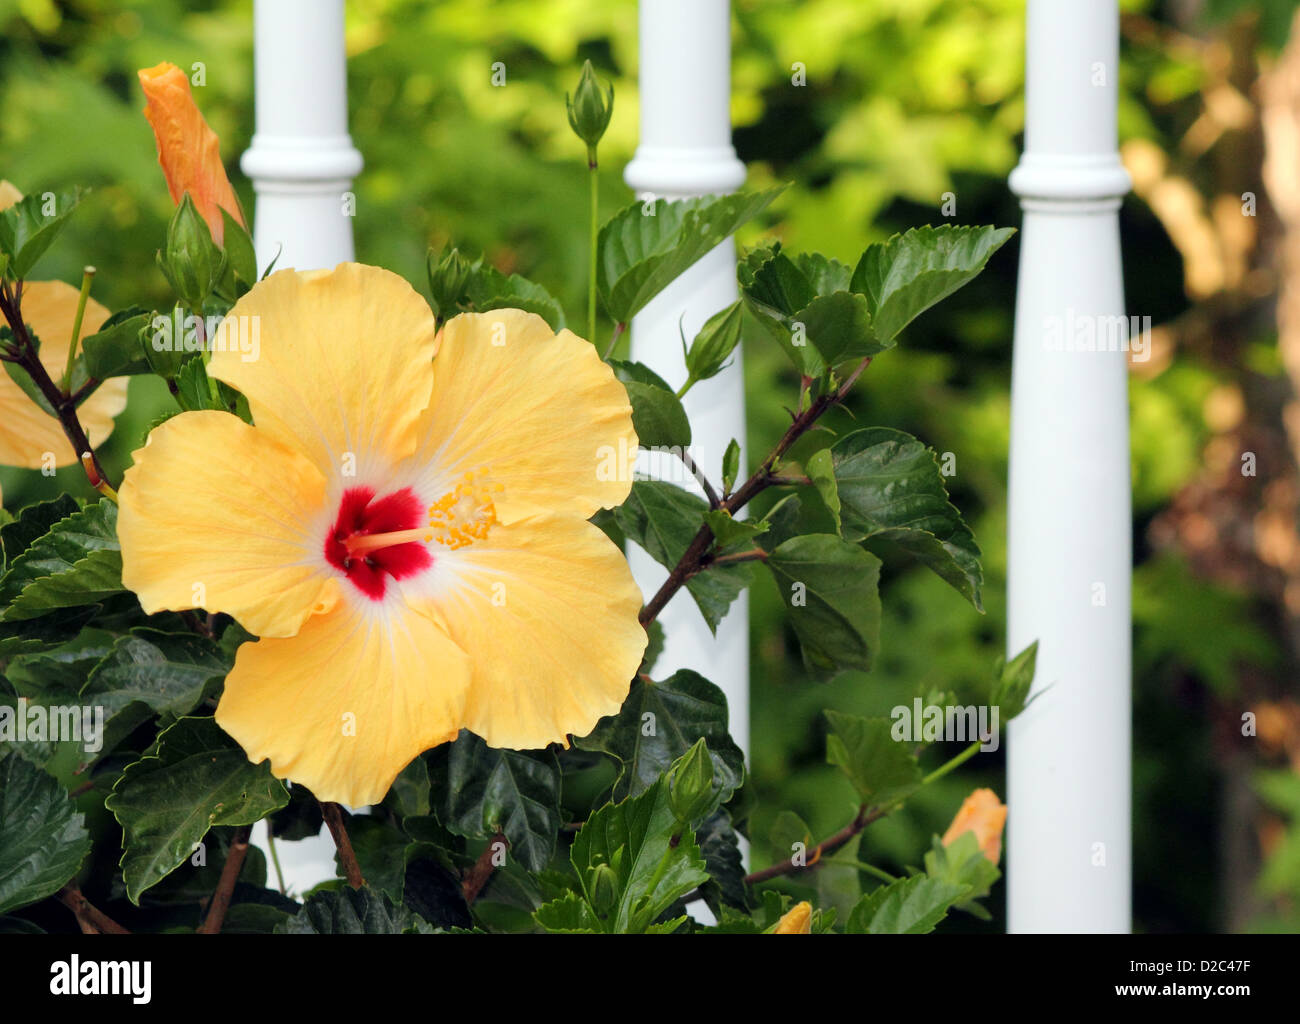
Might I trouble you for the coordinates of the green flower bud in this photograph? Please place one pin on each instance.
(448, 275)
(164, 340)
(714, 344)
(604, 890)
(690, 785)
(590, 109)
(191, 261)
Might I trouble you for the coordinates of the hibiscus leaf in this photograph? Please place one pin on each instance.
(116, 349)
(30, 226)
(657, 414)
(830, 587)
(646, 246)
(484, 791)
(910, 906)
(906, 275)
(348, 911)
(720, 847)
(33, 522)
(661, 721)
(889, 488)
(882, 769)
(662, 518)
(43, 838)
(635, 860)
(149, 672)
(193, 777)
(77, 562)
(487, 289)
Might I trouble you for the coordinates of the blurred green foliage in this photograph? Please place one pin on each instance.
(903, 104)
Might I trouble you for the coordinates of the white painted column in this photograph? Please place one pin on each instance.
(301, 161)
(685, 150)
(1069, 546)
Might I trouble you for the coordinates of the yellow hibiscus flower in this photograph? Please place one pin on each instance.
(30, 437)
(407, 534)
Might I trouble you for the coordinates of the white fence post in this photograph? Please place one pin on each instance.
(301, 162)
(685, 150)
(1069, 543)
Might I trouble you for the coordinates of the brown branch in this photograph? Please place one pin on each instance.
(333, 815)
(93, 921)
(693, 466)
(826, 847)
(27, 356)
(477, 876)
(692, 560)
(226, 885)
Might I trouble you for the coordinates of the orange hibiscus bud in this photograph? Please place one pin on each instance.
(188, 149)
(984, 814)
(797, 922)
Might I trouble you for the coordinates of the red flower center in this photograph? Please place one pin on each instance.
(360, 514)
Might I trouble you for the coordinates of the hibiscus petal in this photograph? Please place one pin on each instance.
(340, 369)
(347, 703)
(217, 515)
(538, 411)
(27, 433)
(546, 608)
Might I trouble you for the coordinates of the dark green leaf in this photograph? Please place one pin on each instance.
(43, 838)
(150, 672)
(890, 488)
(830, 587)
(117, 349)
(34, 521)
(348, 911)
(720, 847)
(76, 562)
(658, 723)
(482, 790)
(657, 414)
(193, 777)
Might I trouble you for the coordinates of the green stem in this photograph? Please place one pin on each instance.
(87, 275)
(594, 175)
(871, 869)
(948, 766)
(275, 859)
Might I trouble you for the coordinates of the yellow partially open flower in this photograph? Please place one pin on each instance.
(30, 437)
(188, 150)
(797, 921)
(408, 535)
(984, 814)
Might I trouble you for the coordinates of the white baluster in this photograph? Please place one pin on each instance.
(302, 162)
(1068, 851)
(685, 150)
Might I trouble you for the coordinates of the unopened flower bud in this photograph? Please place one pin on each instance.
(690, 784)
(448, 275)
(191, 261)
(714, 344)
(590, 108)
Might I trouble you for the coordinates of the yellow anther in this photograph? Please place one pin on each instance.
(466, 513)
